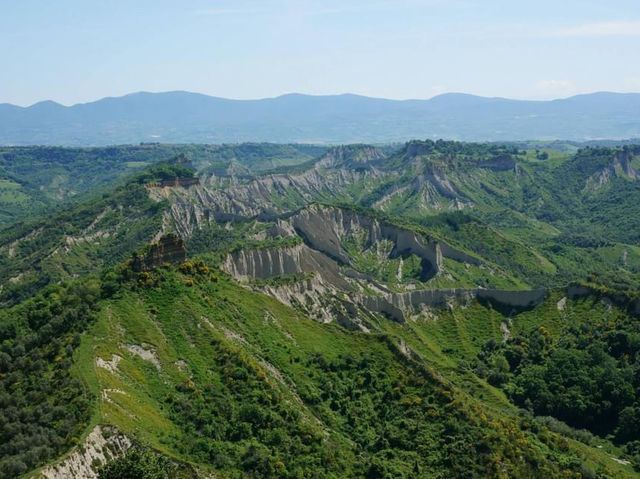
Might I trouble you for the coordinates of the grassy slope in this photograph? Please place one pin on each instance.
(180, 322)
(445, 343)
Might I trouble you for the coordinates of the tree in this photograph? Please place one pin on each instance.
(137, 463)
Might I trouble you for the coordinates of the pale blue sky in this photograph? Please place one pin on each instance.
(75, 51)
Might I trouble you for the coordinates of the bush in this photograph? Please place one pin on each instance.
(560, 427)
(137, 463)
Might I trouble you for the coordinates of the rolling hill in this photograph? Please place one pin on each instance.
(281, 311)
(183, 117)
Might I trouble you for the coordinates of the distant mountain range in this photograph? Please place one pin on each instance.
(183, 117)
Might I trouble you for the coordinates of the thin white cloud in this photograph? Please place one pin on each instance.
(369, 5)
(601, 29)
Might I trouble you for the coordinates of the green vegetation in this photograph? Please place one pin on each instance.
(621, 286)
(506, 252)
(377, 262)
(254, 389)
(209, 377)
(38, 179)
(140, 464)
(76, 241)
(44, 408)
(216, 240)
(166, 171)
(277, 242)
(582, 370)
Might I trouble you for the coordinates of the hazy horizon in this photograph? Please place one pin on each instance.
(77, 52)
(315, 95)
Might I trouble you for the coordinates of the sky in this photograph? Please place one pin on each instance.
(75, 51)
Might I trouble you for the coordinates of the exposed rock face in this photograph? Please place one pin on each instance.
(399, 306)
(433, 186)
(335, 290)
(110, 365)
(619, 167)
(274, 262)
(352, 173)
(173, 182)
(331, 288)
(318, 299)
(323, 227)
(144, 351)
(229, 197)
(169, 248)
(319, 295)
(100, 446)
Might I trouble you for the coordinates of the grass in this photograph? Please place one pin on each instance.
(180, 319)
(136, 164)
(178, 322)
(9, 185)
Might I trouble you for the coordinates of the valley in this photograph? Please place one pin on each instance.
(431, 309)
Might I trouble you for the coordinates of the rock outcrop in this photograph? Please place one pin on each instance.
(323, 227)
(170, 248)
(174, 182)
(400, 306)
(323, 230)
(232, 197)
(252, 264)
(101, 445)
(619, 167)
(331, 287)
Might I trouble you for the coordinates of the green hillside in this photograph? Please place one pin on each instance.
(435, 309)
(226, 380)
(35, 179)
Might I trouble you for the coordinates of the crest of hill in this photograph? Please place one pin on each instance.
(180, 116)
